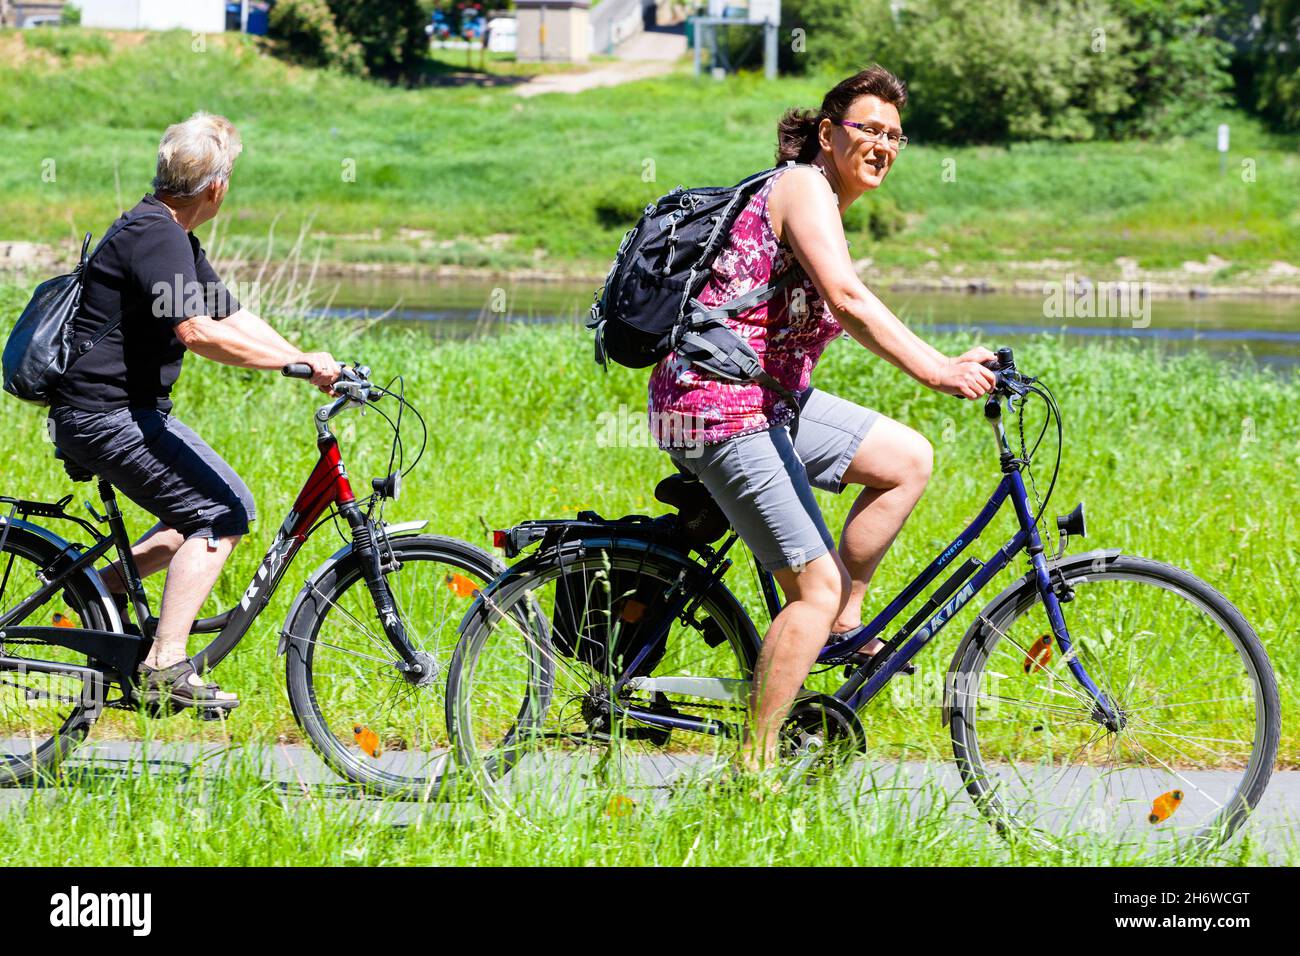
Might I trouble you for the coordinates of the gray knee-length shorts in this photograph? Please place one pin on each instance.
(158, 462)
(763, 481)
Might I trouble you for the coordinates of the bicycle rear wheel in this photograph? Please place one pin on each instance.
(366, 719)
(1198, 705)
(47, 703)
(534, 716)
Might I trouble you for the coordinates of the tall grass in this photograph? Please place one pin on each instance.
(480, 177)
(223, 809)
(1186, 459)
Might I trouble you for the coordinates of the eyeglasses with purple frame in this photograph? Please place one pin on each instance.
(898, 141)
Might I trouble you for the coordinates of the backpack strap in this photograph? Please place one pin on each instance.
(108, 327)
(696, 346)
(742, 303)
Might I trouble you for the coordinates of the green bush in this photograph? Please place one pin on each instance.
(308, 34)
(1177, 65)
(876, 216)
(1277, 93)
(390, 33)
(999, 70)
(70, 15)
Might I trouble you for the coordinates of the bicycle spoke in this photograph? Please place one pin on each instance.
(1171, 668)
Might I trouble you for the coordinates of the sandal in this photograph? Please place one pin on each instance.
(179, 686)
(860, 656)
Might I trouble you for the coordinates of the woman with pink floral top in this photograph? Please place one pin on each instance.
(736, 436)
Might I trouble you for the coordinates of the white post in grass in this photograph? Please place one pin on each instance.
(1223, 147)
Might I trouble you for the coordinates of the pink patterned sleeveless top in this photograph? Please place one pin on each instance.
(688, 406)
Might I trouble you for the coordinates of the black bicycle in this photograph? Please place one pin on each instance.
(366, 640)
(1099, 694)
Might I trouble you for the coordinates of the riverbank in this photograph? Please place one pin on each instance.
(26, 264)
(477, 182)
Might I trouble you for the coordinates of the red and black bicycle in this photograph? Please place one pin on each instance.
(367, 639)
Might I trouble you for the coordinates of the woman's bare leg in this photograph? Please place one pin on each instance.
(814, 595)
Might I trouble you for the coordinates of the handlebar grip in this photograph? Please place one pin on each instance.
(297, 370)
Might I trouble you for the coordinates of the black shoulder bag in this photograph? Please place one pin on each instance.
(40, 348)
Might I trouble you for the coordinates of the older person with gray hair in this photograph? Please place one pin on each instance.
(112, 414)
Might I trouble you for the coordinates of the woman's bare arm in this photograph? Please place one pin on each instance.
(805, 215)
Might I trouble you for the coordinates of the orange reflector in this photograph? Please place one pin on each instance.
(366, 739)
(1163, 807)
(619, 806)
(631, 611)
(61, 621)
(461, 586)
(1040, 652)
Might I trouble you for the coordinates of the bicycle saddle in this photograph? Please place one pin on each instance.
(702, 521)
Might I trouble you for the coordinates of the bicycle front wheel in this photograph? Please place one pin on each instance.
(1197, 705)
(368, 721)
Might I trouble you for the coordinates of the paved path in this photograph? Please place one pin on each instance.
(1276, 821)
(647, 54)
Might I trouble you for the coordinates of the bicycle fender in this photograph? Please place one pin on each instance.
(1074, 566)
(71, 552)
(404, 529)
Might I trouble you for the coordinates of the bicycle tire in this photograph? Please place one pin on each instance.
(976, 648)
(302, 674)
(488, 772)
(20, 763)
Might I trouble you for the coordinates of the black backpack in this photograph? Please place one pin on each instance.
(647, 306)
(40, 349)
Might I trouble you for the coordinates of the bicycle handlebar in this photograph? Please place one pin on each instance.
(353, 383)
(1008, 381)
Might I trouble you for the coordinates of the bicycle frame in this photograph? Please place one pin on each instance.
(866, 680)
(326, 486)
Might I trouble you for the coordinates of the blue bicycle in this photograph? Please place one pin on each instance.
(1098, 694)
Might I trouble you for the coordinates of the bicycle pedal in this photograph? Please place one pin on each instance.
(211, 713)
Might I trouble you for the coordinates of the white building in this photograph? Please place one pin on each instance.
(199, 16)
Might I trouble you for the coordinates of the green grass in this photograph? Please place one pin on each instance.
(1181, 458)
(1184, 459)
(225, 813)
(480, 177)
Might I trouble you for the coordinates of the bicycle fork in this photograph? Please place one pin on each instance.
(1105, 711)
(415, 665)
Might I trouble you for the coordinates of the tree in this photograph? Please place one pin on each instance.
(1278, 77)
(384, 38)
(390, 32)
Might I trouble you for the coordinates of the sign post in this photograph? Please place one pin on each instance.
(1223, 147)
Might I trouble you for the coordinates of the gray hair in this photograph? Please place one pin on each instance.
(196, 153)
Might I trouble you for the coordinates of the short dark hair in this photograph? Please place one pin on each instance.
(796, 133)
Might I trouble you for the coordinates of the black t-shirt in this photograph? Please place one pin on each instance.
(156, 275)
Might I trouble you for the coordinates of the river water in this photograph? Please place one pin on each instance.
(1267, 330)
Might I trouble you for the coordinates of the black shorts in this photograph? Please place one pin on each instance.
(159, 463)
